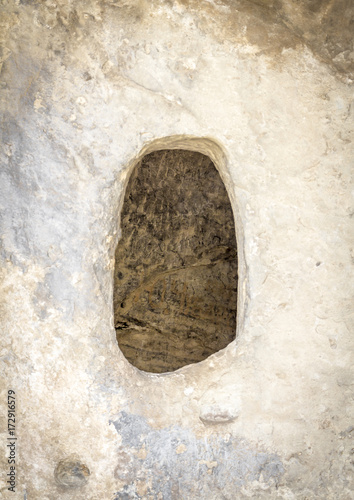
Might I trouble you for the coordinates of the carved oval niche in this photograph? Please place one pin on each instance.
(175, 280)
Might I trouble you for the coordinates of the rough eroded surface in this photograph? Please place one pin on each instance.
(175, 288)
(263, 88)
(164, 461)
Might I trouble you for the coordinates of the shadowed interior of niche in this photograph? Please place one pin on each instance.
(175, 279)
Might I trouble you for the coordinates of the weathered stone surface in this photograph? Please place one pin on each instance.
(217, 414)
(71, 473)
(175, 288)
(88, 88)
(159, 459)
(325, 26)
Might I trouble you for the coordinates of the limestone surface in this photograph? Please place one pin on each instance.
(264, 89)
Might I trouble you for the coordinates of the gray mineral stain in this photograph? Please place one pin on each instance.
(211, 464)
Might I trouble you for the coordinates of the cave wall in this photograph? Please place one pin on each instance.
(264, 89)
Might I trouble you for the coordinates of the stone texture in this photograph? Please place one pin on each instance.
(159, 460)
(175, 288)
(88, 88)
(71, 473)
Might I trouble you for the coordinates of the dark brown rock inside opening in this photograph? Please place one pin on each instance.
(175, 279)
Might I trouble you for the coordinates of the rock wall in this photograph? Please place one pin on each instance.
(175, 280)
(88, 88)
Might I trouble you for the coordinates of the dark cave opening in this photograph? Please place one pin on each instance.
(175, 279)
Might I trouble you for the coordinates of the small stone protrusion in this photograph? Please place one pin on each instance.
(217, 414)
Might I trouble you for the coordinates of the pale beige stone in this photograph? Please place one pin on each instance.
(265, 90)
